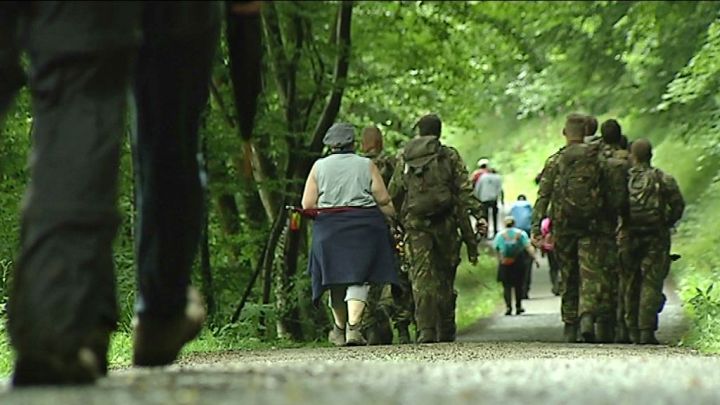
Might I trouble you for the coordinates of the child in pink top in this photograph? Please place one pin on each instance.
(547, 246)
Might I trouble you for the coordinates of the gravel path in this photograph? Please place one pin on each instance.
(508, 360)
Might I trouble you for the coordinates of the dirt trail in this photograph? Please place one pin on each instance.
(508, 360)
(542, 323)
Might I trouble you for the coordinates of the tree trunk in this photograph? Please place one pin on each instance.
(284, 69)
(302, 165)
(205, 269)
(229, 213)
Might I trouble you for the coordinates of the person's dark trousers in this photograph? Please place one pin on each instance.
(507, 294)
(171, 91)
(512, 280)
(63, 293)
(554, 272)
(490, 208)
(12, 76)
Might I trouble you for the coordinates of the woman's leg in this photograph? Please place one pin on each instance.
(519, 294)
(336, 301)
(338, 307)
(356, 297)
(507, 294)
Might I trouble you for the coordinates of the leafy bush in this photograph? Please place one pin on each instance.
(705, 310)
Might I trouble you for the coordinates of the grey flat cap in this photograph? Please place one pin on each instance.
(340, 134)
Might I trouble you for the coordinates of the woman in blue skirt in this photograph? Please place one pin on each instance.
(351, 243)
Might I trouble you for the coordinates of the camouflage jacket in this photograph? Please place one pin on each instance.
(545, 198)
(542, 208)
(385, 164)
(607, 150)
(671, 195)
(466, 203)
(608, 224)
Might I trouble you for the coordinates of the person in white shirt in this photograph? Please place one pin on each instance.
(489, 190)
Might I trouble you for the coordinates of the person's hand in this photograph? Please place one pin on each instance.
(481, 227)
(537, 263)
(473, 258)
(472, 253)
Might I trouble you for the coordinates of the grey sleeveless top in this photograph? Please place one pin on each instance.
(344, 180)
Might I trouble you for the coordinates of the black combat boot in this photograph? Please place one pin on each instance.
(84, 366)
(426, 336)
(634, 335)
(570, 333)
(605, 332)
(447, 333)
(621, 334)
(587, 328)
(647, 337)
(379, 334)
(403, 334)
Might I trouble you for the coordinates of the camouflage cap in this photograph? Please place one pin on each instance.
(340, 134)
(509, 221)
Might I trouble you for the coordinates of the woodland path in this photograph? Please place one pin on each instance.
(502, 359)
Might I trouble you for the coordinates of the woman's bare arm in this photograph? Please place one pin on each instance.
(380, 193)
(310, 194)
(531, 251)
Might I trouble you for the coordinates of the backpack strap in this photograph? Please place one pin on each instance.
(509, 239)
(661, 189)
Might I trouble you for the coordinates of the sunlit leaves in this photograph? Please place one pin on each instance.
(700, 76)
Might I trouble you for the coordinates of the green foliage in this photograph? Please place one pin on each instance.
(529, 142)
(705, 309)
(501, 74)
(478, 291)
(697, 272)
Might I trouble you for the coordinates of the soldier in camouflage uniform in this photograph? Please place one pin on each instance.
(434, 240)
(591, 127)
(610, 323)
(575, 233)
(382, 305)
(655, 204)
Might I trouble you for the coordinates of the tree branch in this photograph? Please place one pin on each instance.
(318, 68)
(276, 48)
(342, 65)
(504, 28)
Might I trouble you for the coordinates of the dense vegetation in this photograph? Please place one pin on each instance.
(501, 74)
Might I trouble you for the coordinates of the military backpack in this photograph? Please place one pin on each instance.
(577, 200)
(512, 246)
(646, 206)
(427, 175)
(617, 165)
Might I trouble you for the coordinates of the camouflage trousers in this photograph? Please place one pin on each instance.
(584, 283)
(606, 255)
(646, 263)
(403, 305)
(434, 257)
(383, 306)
